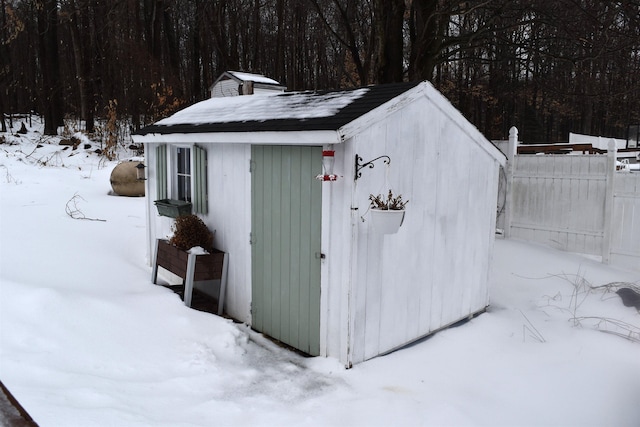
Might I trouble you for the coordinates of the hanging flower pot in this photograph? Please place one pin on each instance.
(387, 213)
(387, 221)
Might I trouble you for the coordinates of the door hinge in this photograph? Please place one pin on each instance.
(252, 166)
(320, 255)
(251, 239)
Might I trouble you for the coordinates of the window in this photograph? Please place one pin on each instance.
(187, 177)
(183, 174)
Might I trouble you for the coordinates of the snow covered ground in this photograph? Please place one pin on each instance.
(87, 340)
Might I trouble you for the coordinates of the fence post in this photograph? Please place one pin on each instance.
(512, 152)
(608, 201)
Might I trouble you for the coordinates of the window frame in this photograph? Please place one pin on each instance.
(176, 174)
(167, 163)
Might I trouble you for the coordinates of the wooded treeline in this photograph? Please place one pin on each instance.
(546, 66)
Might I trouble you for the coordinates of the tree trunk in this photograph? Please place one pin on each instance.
(81, 66)
(2, 120)
(197, 90)
(280, 68)
(426, 35)
(389, 21)
(48, 32)
(5, 69)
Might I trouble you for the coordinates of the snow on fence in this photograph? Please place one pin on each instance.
(576, 203)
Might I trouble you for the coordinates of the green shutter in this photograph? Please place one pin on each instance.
(199, 180)
(161, 172)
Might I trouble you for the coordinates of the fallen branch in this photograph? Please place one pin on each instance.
(533, 331)
(9, 177)
(612, 326)
(582, 289)
(74, 212)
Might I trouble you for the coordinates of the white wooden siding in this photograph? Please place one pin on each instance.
(230, 88)
(151, 191)
(434, 272)
(227, 87)
(336, 267)
(229, 215)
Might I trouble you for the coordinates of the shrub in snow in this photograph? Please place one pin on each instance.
(190, 231)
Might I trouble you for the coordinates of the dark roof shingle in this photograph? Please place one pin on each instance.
(373, 97)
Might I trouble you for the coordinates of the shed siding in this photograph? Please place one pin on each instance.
(227, 87)
(336, 244)
(407, 290)
(229, 182)
(152, 183)
(230, 88)
(229, 214)
(263, 91)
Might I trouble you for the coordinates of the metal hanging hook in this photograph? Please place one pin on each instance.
(360, 165)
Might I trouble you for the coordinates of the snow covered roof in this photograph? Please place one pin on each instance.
(257, 79)
(294, 111)
(599, 142)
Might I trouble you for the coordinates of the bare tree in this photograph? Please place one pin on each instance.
(50, 67)
(547, 66)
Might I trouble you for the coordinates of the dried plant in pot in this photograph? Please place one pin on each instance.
(189, 231)
(387, 212)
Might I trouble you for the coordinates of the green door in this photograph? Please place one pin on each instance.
(286, 205)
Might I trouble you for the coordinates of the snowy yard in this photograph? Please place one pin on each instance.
(87, 340)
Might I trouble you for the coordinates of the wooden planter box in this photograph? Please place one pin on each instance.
(172, 208)
(192, 268)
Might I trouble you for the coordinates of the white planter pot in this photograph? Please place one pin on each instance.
(386, 221)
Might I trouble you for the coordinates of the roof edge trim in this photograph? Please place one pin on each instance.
(310, 137)
(355, 126)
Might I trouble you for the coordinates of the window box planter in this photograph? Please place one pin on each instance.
(172, 208)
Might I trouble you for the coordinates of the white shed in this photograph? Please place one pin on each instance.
(306, 266)
(234, 83)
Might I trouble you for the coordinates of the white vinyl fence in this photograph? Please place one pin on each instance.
(576, 203)
(624, 247)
